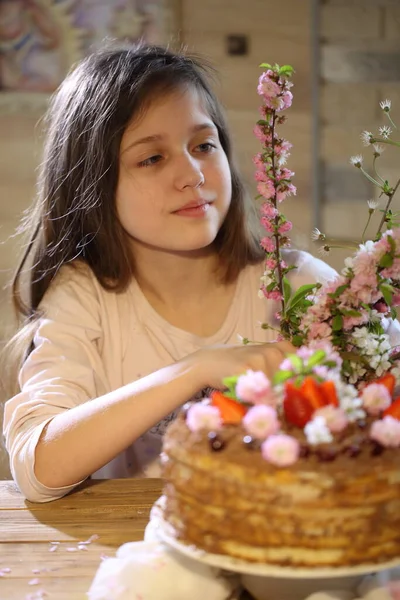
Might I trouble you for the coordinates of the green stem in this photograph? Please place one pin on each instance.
(390, 198)
(385, 141)
(391, 120)
(332, 243)
(342, 246)
(366, 226)
(369, 177)
(277, 245)
(375, 169)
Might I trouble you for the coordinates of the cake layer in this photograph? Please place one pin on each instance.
(337, 512)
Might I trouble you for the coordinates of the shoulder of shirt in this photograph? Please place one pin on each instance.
(308, 267)
(74, 279)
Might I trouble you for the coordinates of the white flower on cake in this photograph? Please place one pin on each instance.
(317, 431)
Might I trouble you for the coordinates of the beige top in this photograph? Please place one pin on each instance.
(91, 341)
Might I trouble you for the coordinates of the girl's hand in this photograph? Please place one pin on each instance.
(214, 364)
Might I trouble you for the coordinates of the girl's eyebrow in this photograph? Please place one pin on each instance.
(158, 137)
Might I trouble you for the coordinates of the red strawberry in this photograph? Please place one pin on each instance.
(328, 390)
(388, 381)
(232, 412)
(298, 411)
(313, 393)
(393, 410)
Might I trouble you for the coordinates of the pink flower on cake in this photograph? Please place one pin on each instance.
(281, 450)
(261, 421)
(376, 397)
(255, 387)
(335, 418)
(386, 431)
(202, 417)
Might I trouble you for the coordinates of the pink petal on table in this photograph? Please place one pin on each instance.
(91, 539)
(34, 581)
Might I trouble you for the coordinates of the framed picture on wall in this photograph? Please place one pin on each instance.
(41, 39)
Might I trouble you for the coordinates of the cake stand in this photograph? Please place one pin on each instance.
(269, 582)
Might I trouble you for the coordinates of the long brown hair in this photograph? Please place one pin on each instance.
(74, 218)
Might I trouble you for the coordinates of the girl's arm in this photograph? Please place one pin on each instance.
(81, 440)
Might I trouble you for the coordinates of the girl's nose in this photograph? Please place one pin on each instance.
(188, 173)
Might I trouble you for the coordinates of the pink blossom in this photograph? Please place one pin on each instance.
(287, 99)
(330, 353)
(321, 371)
(258, 160)
(285, 174)
(262, 134)
(267, 87)
(376, 397)
(261, 421)
(266, 189)
(286, 365)
(335, 418)
(274, 295)
(288, 190)
(281, 450)
(271, 263)
(285, 227)
(203, 417)
(254, 387)
(386, 431)
(392, 272)
(269, 210)
(268, 226)
(268, 244)
(320, 330)
(350, 322)
(396, 299)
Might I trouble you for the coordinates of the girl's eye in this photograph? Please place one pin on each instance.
(206, 147)
(152, 160)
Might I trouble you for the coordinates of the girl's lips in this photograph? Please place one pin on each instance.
(193, 211)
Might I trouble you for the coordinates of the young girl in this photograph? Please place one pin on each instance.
(144, 269)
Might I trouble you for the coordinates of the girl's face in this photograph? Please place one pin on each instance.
(174, 187)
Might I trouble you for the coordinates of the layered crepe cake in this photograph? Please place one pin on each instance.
(336, 504)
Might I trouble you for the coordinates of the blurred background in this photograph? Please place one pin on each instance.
(346, 54)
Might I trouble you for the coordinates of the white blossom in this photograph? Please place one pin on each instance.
(385, 131)
(366, 138)
(386, 105)
(317, 431)
(356, 160)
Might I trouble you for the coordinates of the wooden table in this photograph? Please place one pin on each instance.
(115, 510)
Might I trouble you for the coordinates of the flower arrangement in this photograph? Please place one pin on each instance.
(353, 311)
(345, 370)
